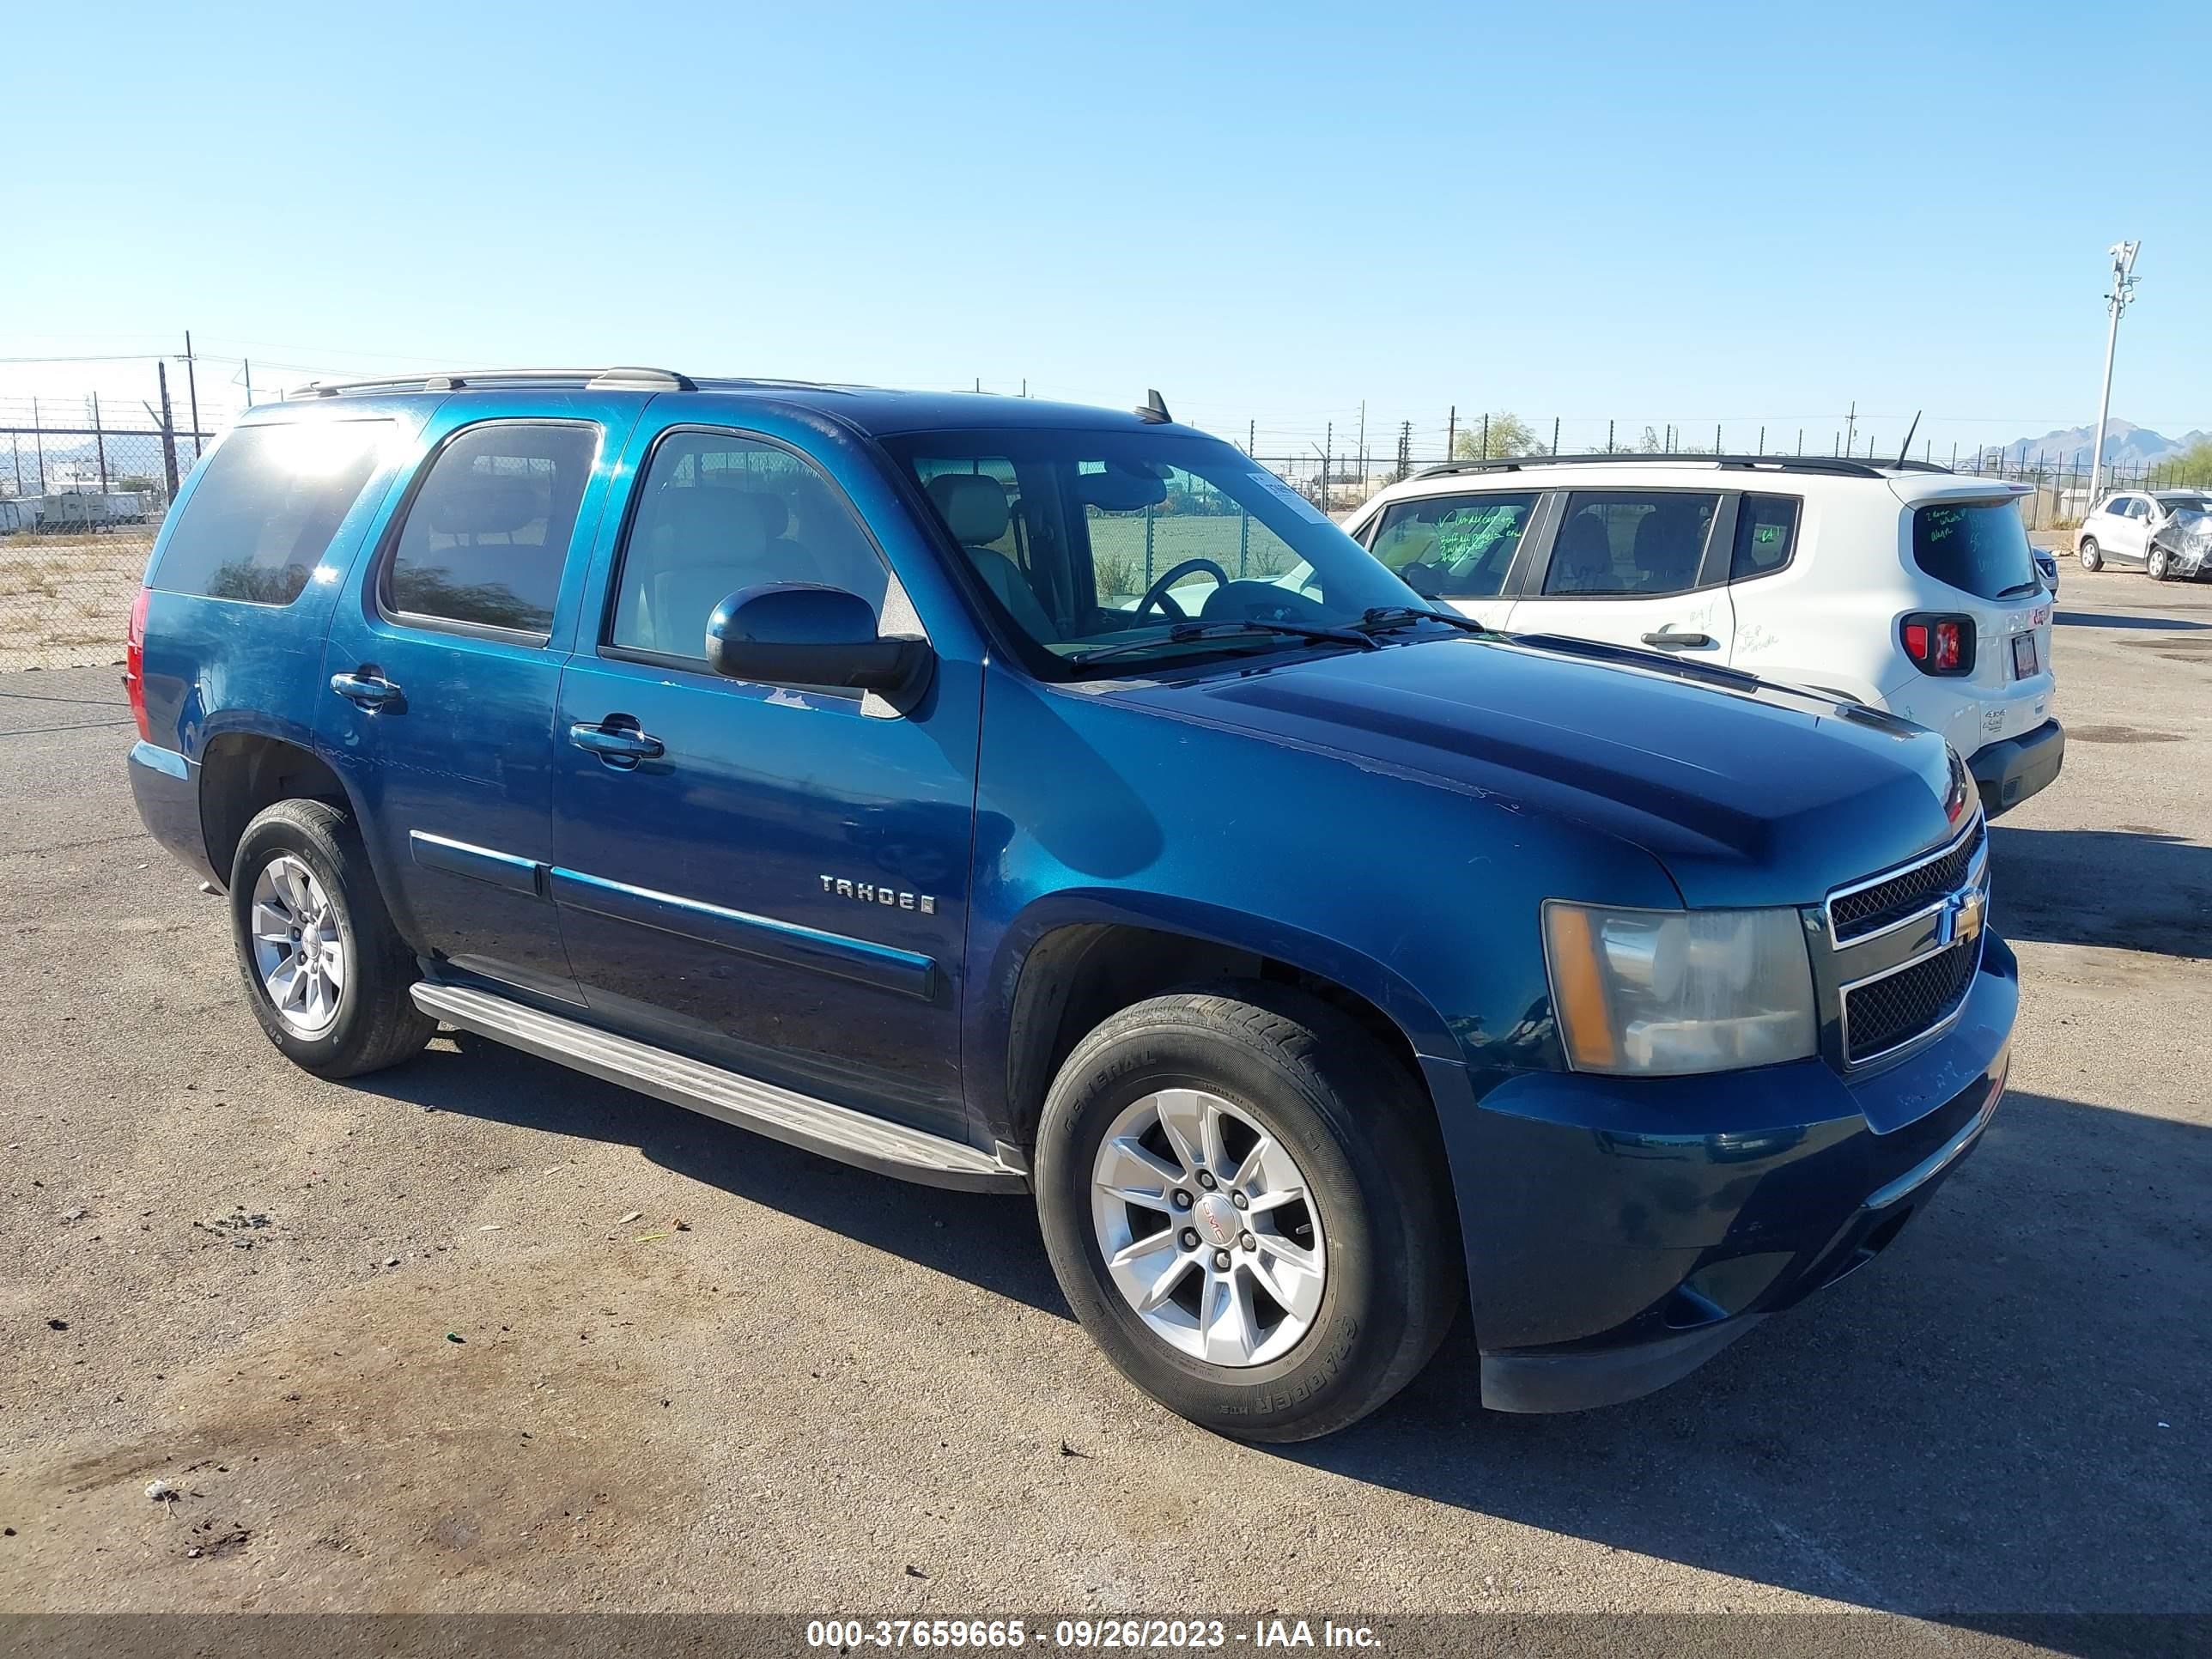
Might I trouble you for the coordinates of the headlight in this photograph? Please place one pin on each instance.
(1662, 992)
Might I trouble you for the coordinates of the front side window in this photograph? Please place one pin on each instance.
(1979, 547)
(717, 512)
(1125, 548)
(1455, 547)
(1631, 543)
(1765, 536)
(264, 511)
(486, 536)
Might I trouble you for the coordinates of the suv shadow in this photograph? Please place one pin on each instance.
(1985, 1429)
(1978, 1430)
(2128, 888)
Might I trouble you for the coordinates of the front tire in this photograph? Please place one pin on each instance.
(2156, 563)
(325, 971)
(2090, 557)
(1243, 1198)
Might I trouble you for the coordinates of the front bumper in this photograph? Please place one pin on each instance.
(2009, 771)
(1613, 1247)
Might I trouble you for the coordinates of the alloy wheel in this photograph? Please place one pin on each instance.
(1208, 1229)
(298, 948)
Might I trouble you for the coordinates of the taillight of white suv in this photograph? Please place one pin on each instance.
(1939, 642)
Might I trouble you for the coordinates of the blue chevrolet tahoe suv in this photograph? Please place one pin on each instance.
(1019, 797)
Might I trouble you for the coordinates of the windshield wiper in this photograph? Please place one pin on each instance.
(2019, 587)
(1380, 618)
(1184, 632)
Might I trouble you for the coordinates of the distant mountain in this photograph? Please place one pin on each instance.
(2124, 441)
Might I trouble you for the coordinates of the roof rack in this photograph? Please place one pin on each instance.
(1834, 465)
(591, 379)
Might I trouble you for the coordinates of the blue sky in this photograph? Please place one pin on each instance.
(1651, 214)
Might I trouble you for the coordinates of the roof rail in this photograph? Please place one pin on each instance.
(591, 379)
(1834, 465)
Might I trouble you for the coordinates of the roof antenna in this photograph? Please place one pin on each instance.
(1905, 448)
(1154, 409)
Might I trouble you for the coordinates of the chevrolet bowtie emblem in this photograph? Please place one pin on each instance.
(1964, 914)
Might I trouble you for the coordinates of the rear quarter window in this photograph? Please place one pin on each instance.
(1978, 547)
(262, 516)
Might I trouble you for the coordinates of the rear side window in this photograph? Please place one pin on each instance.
(1765, 536)
(1634, 544)
(486, 533)
(1455, 547)
(262, 515)
(1978, 547)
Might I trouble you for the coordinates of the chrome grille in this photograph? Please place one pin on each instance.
(1887, 1013)
(1904, 946)
(1854, 913)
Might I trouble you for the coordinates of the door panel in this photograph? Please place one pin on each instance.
(784, 887)
(441, 726)
(772, 878)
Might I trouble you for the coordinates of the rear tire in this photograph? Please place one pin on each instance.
(2090, 557)
(1352, 1131)
(301, 870)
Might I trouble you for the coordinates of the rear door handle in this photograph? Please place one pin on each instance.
(620, 746)
(1667, 639)
(366, 688)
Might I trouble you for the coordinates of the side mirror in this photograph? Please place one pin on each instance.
(799, 634)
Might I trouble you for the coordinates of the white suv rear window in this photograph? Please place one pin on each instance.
(1978, 547)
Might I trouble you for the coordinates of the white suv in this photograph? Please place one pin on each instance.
(1902, 587)
(2144, 527)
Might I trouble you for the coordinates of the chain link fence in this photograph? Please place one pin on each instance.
(80, 503)
(81, 499)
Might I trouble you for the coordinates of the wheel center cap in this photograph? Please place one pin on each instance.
(311, 941)
(1217, 1220)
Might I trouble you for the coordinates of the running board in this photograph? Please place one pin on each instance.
(785, 1115)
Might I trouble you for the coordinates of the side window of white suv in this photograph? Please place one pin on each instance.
(1631, 543)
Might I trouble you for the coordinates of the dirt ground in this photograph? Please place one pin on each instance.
(436, 1342)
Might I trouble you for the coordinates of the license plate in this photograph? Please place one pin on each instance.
(2023, 656)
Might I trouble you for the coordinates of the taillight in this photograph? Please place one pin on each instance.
(1938, 643)
(134, 662)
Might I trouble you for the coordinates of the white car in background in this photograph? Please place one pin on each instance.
(2157, 531)
(1900, 587)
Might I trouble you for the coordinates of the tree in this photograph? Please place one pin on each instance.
(1509, 436)
(2192, 468)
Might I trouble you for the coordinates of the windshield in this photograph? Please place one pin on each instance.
(2186, 503)
(1979, 546)
(1115, 543)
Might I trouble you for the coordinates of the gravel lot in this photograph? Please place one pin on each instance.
(832, 1392)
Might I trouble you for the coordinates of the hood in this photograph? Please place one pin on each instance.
(1748, 793)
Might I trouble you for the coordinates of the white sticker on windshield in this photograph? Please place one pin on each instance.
(1290, 497)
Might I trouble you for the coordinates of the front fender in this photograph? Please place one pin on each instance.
(1420, 897)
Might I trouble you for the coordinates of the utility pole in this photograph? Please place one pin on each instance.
(38, 443)
(249, 381)
(168, 431)
(1405, 449)
(1451, 435)
(1251, 437)
(192, 385)
(100, 442)
(1485, 438)
(2123, 290)
(1555, 434)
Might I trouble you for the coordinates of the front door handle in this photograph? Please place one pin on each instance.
(365, 688)
(621, 746)
(1668, 639)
